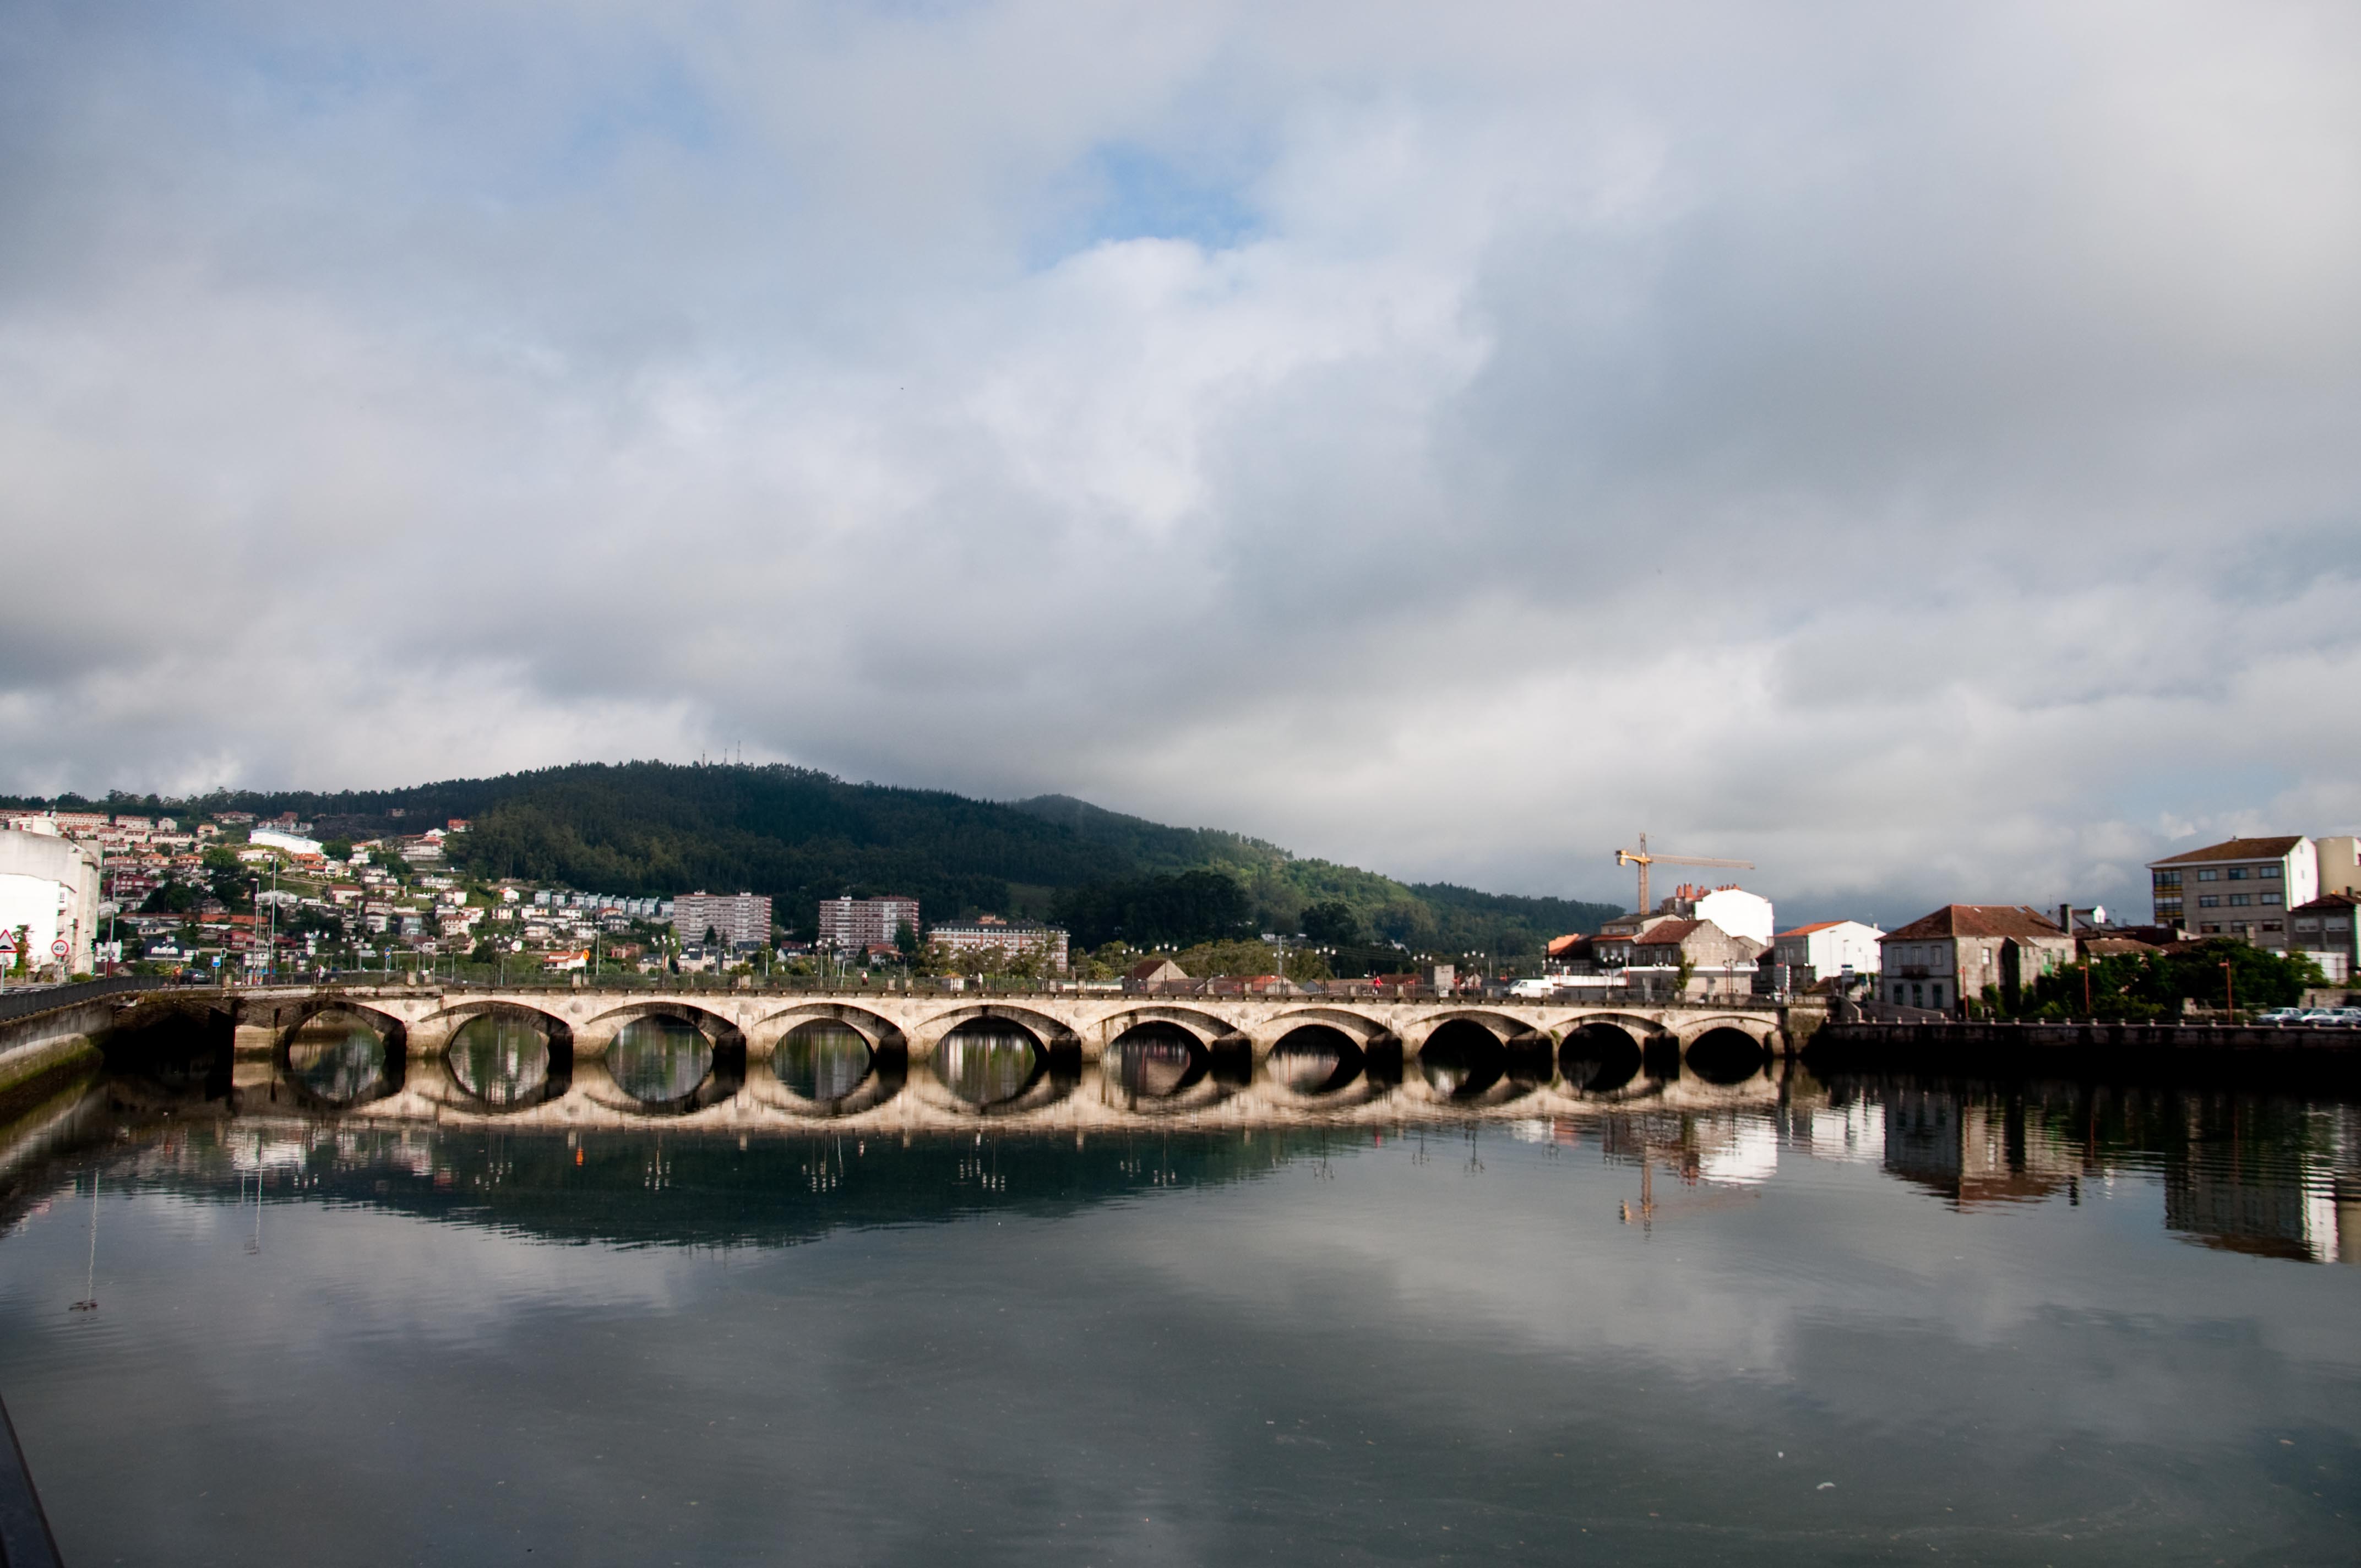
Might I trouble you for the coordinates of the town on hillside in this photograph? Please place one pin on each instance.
(2247, 925)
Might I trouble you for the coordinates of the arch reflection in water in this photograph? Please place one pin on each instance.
(1156, 1061)
(502, 1062)
(1315, 1060)
(985, 1061)
(659, 1059)
(822, 1061)
(1463, 1059)
(340, 1057)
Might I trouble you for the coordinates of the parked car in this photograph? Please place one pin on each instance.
(2322, 1015)
(2280, 1016)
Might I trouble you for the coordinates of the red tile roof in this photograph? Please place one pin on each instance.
(1815, 926)
(1671, 934)
(2329, 902)
(1979, 920)
(2236, 849)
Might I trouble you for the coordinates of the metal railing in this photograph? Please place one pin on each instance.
(23, 1001)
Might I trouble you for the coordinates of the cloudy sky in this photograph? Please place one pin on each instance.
(1916, 448)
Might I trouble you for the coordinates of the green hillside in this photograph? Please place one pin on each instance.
(802, 836)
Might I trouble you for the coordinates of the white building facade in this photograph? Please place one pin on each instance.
(48, 887)
(1014, 939)
(1828, 949)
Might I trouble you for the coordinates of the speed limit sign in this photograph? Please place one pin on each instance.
(58, 949)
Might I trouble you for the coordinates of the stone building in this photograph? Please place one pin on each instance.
(1942, 960)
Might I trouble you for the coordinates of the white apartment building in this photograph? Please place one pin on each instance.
(1733, 908)
(1827, 948)
(2243, 887)
(856, 924)
(49, 886)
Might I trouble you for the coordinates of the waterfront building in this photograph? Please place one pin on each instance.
(50, 887)
(741, 919)
(855, 925)
(1720, 961)
(2242, 887)
(1824, 949)
(1942, 960)
(989, 933)
(2326, 931)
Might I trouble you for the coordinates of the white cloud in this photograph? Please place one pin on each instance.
(1908, 449)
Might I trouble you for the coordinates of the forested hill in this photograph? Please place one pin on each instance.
(801, 836)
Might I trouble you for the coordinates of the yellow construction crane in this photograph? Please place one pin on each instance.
(1641, 859)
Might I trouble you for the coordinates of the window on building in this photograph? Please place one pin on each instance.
(2210, 929)
(2209, 876)
(2270, 924)
(2209, 901)
(1936, 998)
(2168, 879)
(2267, 873)
(2266, 898)
(2239, 873)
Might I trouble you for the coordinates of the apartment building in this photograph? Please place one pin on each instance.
(741, 919)
(2241, 887)
(857, 924)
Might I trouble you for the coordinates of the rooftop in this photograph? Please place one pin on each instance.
(1979, 920)
(2235, 850)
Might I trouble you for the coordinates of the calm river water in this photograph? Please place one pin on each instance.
(1880, 1322)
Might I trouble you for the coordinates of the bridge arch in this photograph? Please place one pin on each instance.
(333, 1073)
(882, 1033)
(479, 1064)
(1725, 1056)
(1600, 1056)
(1469, 1058)
(1211, 1029)
(1157, 1066)
(1319, 1063)
(636, 1057)
(995, 1062)
(1053, 1034)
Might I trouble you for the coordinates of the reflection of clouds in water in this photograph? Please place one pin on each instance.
(659, 1059)
(985, 1065)
(339, 1056)
(821, 1062)
(501, 1060)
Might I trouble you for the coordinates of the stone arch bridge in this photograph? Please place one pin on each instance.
(1087, 1023)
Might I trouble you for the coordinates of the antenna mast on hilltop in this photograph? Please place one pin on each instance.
(1644, 860)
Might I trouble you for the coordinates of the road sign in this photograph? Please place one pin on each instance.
(58, 949)
(7, 949)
